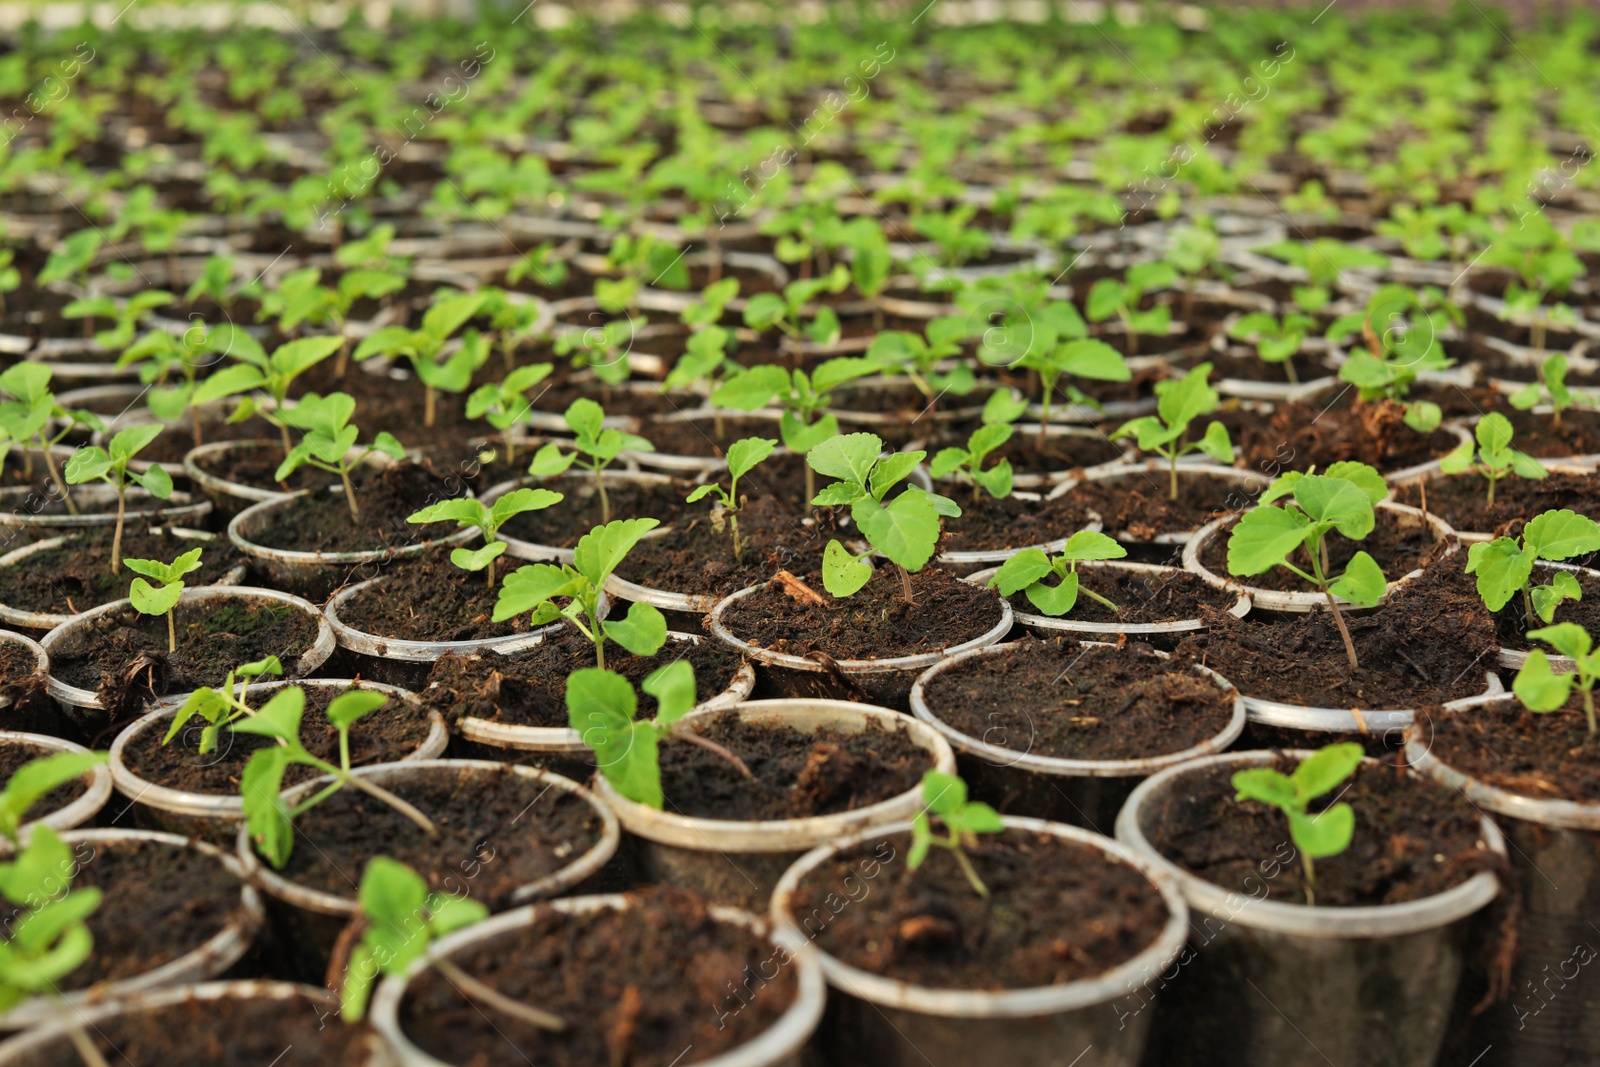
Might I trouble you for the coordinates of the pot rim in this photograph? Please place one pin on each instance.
(1106, 472)
(1013, 1003)
(1299, 920)
(533, 551)
(1241, 604)
(212, 483)
(1057, 765)
(773, 1046)
(1349, 720)
(409, 651)
(175, 509)
(83, 808)
(263, 510)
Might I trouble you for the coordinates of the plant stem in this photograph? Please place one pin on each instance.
(349, 493)
(605, 502)
(403, 807)
(55, 476)
(953, 843)
(488, 995)
(283, 429)
(81, 1044)
(428, 404)
(172, 633)
(1091, 594)
(905, 584)
(1344, 631)
(711, 746)
(116, 538)
(1172, 462)
(1311, 878)
(1588, 709)
(1288, 369)
(1491, 490)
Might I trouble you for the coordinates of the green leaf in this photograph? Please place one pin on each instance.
(1263, 538)
(1546, 598)
(764, 311)
(642, 632)
(1020, 571)
(1567, 638)
(1526, 466)
(744, 454)
(150, 601)
(351, 705)
(1106, 297)
(602, 549)
(843, 573)
(996, 481)
(36, 778)
(1327, 833)
(891, 470)
(460, 510)
(156, 481)
(476, 559)
(1362, 582)
(1561, 534)
(1493, 432)
(943, 793)
(674, 690)
(86, 464)
(1092, 545)
(1266, 785)
(948, 460)
(1182, 401)
(526, 588)
(849, 457)
(279, 718)
(1058, 599)
(266, 814)
(1339, 502)
(1087, 358)
(1458, 459)
(906, 530)
(1216, 443)
(550, 461)
(752, 389)
(1538, 687)
(1326, 768)
(390, 891)
(1502, 568)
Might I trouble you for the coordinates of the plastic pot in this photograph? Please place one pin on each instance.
(41, 658)
(1472, 537)
(1295, 600)
(1158, 472)
(81, 810)
(49, 1043)
(1552, 1018)
(228, 496)
(23, 507)
(997, 556)
(779, 1046)
(75, 631)
(1379, 724)
(885, 682)
(891, 1023)
(215, 816)
(734, 861)
(1512, 659)
(1365, 985)
(517, 548)
(207, 960)
(48, 620)
(1076, 791)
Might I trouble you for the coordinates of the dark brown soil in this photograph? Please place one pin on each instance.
(1169, 595)
(294, 1033)
(77, 576)
(125, 658)
(432, 600)
(390, 733)
(1055, 698)
(13, 756)
(1462, 499)
(795, 774)
(1578, 433)
(1548, 756)
(987, 524)
(1325, 431)
(1139, 507)
(1412, 839)
(1246, 366)
(17, 663)
(1430, 643)
(874, 623)
(498, 831)
(1060, 452)
(529, 688)
(255, 467)
(640, 987)
(1398, 544)
(696, 558)
(579, 512)
(701, 437)
(1059, 912)
(1512, 621)
(159, 903)
(321, 522)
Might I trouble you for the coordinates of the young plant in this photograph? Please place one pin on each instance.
(32, 413)
(1178, 403)
(269, 818)
(505, 404)
(110, 465)
(534, 589)
(1505, 567)
(1110, 297)
(330, 441)
(425, 346)
(1276, 340)
(1495, 458)
(1550, 388)
(601, 706)
(171, 367)
(905, 530)
(765, 311)
(1326, 833)
(969, 461)
(1399, 328)
(148, 600)
(743, 455)
(1082, 358)
(35, 780)
(220, 707)
(1027, 570)
(487, 520)
(124, 314)
(1342, 500)
(896, 351)
(945, 796)
(273, 375)
(1541, 690)
(592, 439)
(1323, 260)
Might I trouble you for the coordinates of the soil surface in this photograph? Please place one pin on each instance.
(390, 733)
(77, 576)
(1058, 912)
(1059, 452)
(986, 524)
(1462, 499)
(321, 522)
(498, 831)
(702, 436)
(1398, 543)
(1139, 508)
(1323, 431)
(529, 688)
(642, 1016)
(256, 468)
(795, 774)
(1055, 698)
(159, 903)
(1432, 642)
(1170, 595)
(12, 758)
(432, 599)
(1577, 434)
(1412, 839)
(874, 623)
(17, 663)
(1512, 621)
(695, 557)
(579, 511)
(1546, 756)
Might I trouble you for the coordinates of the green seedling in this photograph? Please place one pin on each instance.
(1494, 457)
(1326, 833)
(766, 311)
(10, 276)
(1110, 297)
(1540, 689)
(1505, 567)
(513, 320)
(30, 415)
(945, 796)
(1191, 251)
(273, 375)
(425, 346)
(905, 530)
(713, 303)
(1276, 340)
(111, 465)
(71, 259)
(487, 520)
(505, 404)
(896, 351)
(269, 818)
(220, 707)
(163, 358)
(1399, 326)
(1027, 570)
(601, 707)
(743, 455)
(1550, 388)
(593, 440)
(300, 300)
(1323, 260)
(35, 780)
(705, 359)
(996, 481)
(329, 443)
(125, 314)
(1178, 403)
(534, 589)
(148, 600)
(1342, 500)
